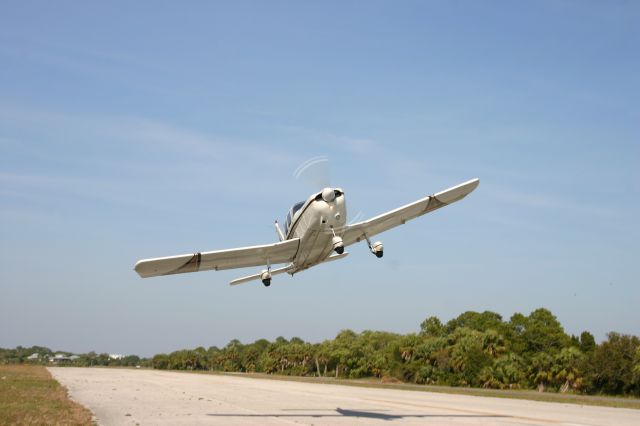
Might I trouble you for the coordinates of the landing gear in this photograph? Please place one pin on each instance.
(266, 276)
(338, 244)
(376, 248)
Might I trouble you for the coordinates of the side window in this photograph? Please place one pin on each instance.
(292, 212)
(297, 207)
(287, 223)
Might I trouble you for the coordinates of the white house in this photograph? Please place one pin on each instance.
(60, 358)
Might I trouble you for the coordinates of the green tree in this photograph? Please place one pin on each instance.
(432, 327)
(493, 343)
(479, 321)
(539, 332)
(468, 356)
(567, 371)
(541, 370)
(160, 362)
(636, 369)
(587, 342)
(506, 372)
(613, 365)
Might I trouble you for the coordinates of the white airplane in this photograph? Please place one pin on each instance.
(313, 231)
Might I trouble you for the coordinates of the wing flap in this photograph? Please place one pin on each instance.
(281, 252)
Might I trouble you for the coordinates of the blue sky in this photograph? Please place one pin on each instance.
(141, 130)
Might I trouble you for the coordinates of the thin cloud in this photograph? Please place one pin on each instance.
(126, 70)
(548, 202)
(355, 145)
(72, 128)
(133, 159)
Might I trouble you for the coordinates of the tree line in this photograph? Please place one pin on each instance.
(46, 356)
(476, 349)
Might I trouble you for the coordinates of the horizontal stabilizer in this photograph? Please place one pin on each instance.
(259, 275)
(335, 257)
(282, 270)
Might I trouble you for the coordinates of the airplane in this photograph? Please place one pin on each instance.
(315, 231)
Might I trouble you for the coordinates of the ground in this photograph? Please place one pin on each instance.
(121, 396)
(29, 396)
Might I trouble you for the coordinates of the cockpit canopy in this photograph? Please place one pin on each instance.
(290, 216)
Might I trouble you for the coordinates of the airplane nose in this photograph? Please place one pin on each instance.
(328, 195)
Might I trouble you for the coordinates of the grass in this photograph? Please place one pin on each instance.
(595, 400)
(29, 395)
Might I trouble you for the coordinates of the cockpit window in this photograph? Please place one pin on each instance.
(296, 207)
(291, 214)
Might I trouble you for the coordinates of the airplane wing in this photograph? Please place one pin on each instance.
(281, 252)
(357, 232)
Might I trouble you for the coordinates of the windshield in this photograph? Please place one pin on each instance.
(291, 214)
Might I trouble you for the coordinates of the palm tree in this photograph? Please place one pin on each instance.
(540, 371)
(566, 369)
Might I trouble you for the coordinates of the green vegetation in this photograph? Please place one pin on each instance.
(30, 396)
(474, 350)
(46, 356)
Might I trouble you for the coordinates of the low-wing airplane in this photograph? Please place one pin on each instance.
(313, 231)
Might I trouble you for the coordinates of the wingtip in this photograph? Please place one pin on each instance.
(457, 192)
(475, 182)
(140, 269)
(469, 185)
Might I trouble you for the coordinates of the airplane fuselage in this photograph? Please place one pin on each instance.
(317, 222)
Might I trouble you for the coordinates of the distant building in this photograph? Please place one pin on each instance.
(116, 356)
(34, 357)
(58, 358)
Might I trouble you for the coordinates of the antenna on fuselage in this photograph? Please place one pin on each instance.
(279, 231)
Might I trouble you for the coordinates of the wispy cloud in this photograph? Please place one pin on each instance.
(355, 145)
(132, 160)
(73, 128)
(549, 202)
(128, 70)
